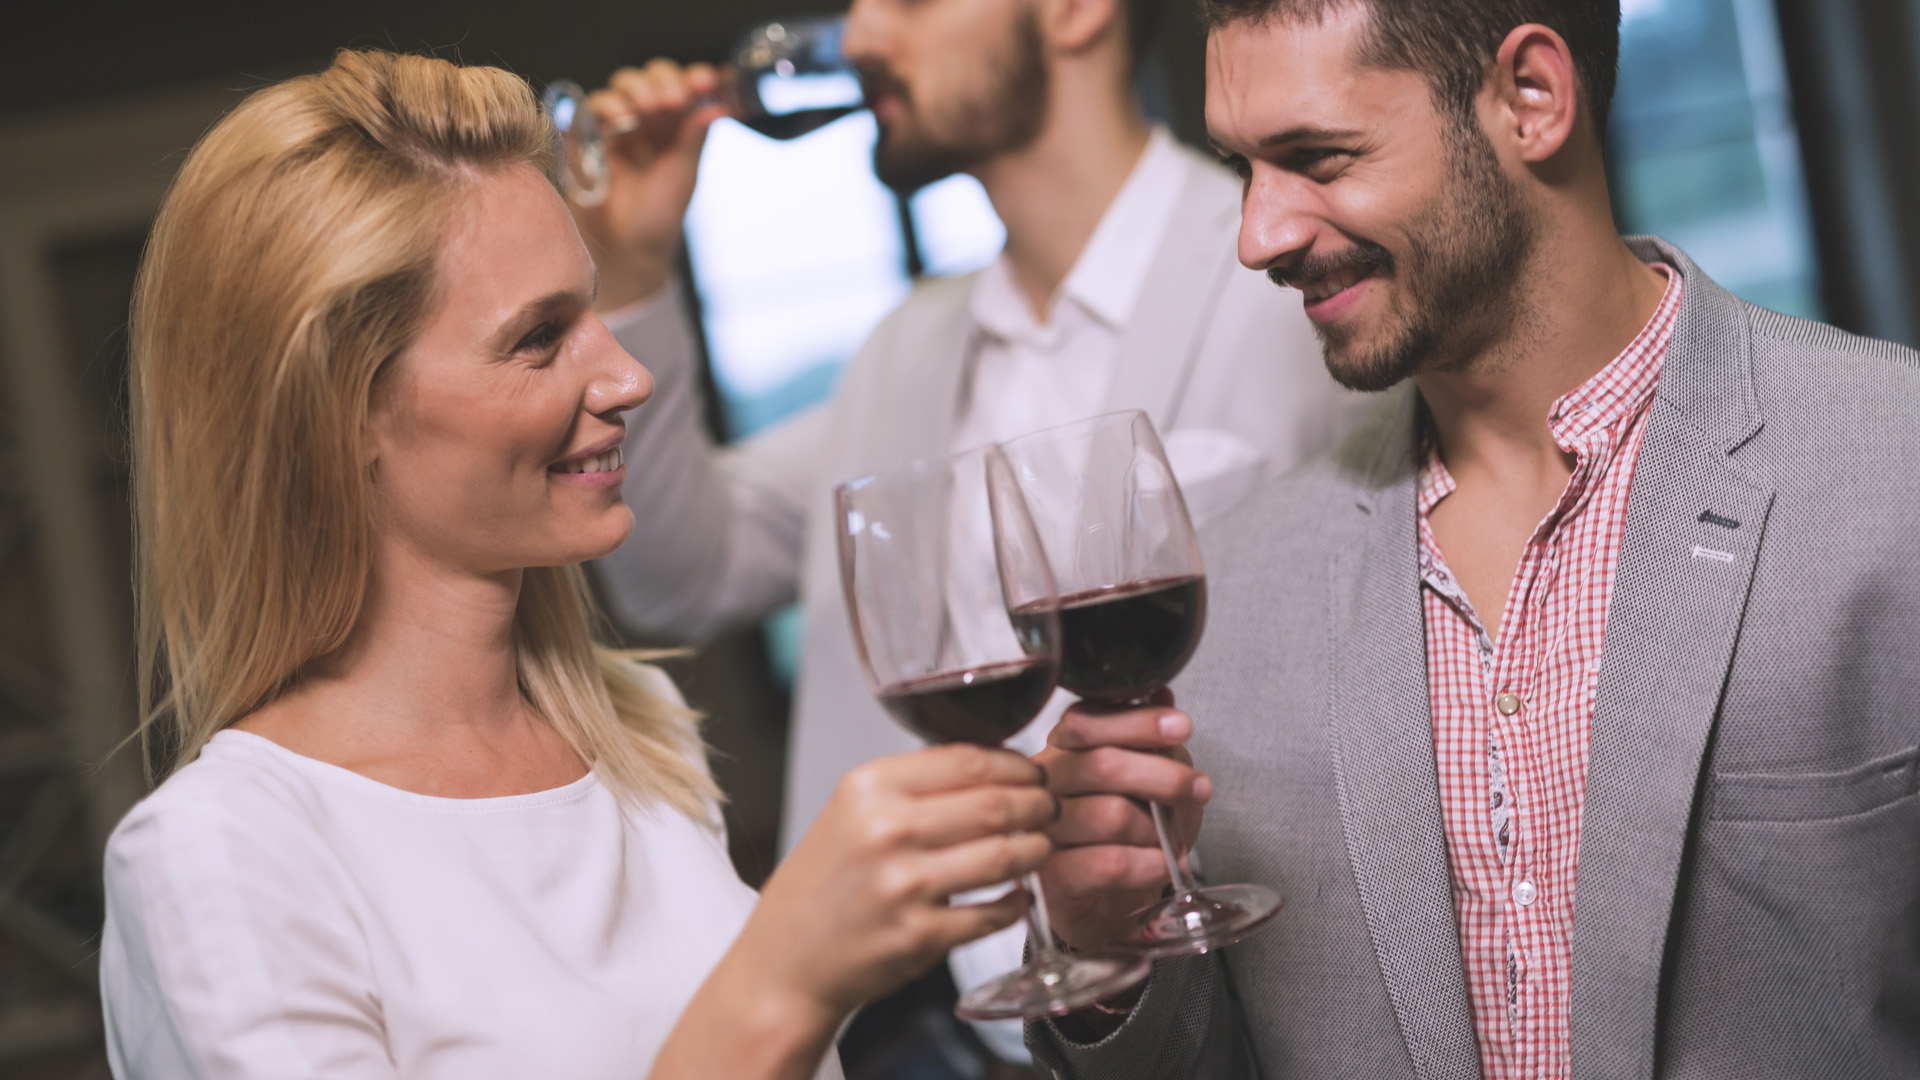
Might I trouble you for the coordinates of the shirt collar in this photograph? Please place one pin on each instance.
(1620, 391)
(1112, 268)
(1625, 386)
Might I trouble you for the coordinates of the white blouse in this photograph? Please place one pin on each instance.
(273, 916)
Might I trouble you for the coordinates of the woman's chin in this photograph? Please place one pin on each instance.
(594, 539)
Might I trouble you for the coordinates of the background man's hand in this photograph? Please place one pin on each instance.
(656, 120)
(1107, 863)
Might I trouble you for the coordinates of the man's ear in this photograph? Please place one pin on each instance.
(1073, 25)
(1535, 92)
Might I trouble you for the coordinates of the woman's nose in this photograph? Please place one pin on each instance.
(619, 382)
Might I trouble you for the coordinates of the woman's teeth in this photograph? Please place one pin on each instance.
(1337, 282)
(606, 462)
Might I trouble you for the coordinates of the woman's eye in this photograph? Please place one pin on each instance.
(540, 338)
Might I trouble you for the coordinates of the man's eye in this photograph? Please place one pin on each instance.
(1240, 166)
(1320, 163)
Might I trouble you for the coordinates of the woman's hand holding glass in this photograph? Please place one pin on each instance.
(860, 906)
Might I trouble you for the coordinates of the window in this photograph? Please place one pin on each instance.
(1703, 149)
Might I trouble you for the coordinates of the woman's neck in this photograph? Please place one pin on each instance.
(425, 693)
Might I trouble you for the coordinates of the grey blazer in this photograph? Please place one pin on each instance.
(1749, 873)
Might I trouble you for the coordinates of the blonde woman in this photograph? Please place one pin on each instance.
(417, 823)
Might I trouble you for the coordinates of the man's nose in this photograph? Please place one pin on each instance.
(1277, 223)
(861, 39)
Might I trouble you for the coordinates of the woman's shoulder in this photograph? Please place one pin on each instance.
(241, 792)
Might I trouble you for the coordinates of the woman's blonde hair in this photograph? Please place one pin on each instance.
(292, 260)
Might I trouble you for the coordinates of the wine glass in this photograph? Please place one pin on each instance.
(784, 78)
(1133, 603)
(952, 606)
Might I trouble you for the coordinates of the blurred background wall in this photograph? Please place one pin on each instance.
(1778, 141)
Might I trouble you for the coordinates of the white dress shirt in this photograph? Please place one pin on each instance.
(1027, 374)
(270, 915)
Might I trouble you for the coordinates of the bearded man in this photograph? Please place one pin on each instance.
(1117, 289)
(1571, 704)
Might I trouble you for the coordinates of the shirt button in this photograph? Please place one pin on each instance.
(1508, 703)
(1524, 894)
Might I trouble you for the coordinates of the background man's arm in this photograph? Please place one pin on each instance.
(717, 533)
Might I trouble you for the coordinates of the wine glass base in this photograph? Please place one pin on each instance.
(1052, 986)
(1203, 920)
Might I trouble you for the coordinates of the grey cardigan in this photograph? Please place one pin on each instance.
(1749, 872)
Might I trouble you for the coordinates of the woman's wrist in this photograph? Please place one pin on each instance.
(744, 1023)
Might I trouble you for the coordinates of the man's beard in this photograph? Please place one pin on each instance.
(1459, 283)
(1001, 114)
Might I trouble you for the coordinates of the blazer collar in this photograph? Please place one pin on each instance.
(1708, 376)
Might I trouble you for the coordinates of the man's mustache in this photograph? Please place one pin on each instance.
(876, 80)
(1364, 256)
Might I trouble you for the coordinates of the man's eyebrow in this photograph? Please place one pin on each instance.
(1308, 133)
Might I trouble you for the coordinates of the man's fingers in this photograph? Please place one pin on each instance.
(1113, 771)
(1103, 819)
(1152, 728)
(1083, 873)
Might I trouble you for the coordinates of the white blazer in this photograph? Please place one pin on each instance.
(724, 537)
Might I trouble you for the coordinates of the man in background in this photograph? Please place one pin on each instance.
(1571, 705)
(1117, 289)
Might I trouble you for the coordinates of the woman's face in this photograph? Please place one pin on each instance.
(496, 438)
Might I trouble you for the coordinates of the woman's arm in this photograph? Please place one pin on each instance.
(860, 908)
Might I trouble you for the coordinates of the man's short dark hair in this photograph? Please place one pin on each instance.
(1453, 42)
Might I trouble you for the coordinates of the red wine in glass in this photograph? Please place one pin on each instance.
(985, 706)
(956, 622)
(1133, 606)
(1122, 643)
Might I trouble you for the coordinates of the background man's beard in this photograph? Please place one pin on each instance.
(1002, 114)
(1459, 282)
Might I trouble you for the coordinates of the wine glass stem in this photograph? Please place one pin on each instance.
(1181, 886)
(1037, 919)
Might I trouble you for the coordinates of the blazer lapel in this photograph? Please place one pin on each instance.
(911, 417)
(1694, 526)
(1381, 732)
(1177, 301)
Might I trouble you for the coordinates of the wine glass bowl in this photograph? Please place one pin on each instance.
(955, 620)
(784, 78)
(1133, 606)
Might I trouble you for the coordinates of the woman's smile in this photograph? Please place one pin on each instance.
(597, 467)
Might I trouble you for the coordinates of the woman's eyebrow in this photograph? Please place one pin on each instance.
(534, 310)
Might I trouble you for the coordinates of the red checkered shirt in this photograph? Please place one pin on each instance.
(1511, 719)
